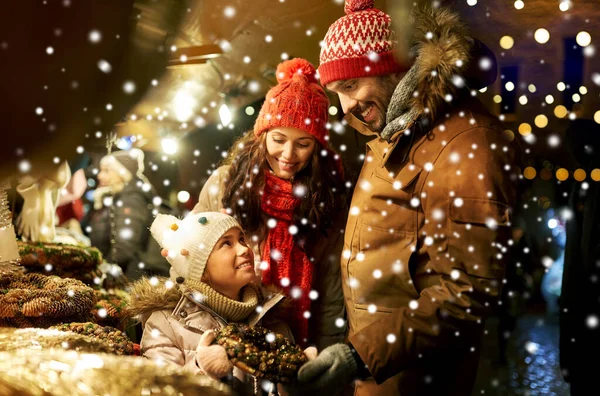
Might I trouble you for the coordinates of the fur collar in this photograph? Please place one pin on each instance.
(147, 297)
(442, 46)
(442, 50)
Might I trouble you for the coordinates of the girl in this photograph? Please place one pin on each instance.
(210, 285)
(285, 185)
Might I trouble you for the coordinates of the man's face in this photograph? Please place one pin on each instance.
(367, 98)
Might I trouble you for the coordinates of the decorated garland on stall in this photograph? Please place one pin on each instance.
(109, 308)
(12, 339)
(114, 338)
(68, 373)
(39, 300)
(261, 353)
(60, 256)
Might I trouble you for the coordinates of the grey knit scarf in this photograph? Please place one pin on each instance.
(399, 113)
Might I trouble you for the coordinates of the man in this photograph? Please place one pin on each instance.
(429, 223)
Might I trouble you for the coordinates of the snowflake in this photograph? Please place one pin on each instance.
(353, 283)
(592, 321)
(296, 292)
(531, 347)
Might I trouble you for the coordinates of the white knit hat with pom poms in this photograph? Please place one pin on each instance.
(187, 243)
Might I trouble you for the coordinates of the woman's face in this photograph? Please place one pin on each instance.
(289, 150)
(107, 176)
(230, 265)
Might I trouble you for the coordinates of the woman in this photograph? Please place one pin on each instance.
(285, 186)
(118, 223)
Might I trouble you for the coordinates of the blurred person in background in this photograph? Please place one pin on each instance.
(518, 284)
(70, 210)
(580, 295)
(118, 222)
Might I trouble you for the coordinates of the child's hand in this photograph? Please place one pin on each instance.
(212, 359)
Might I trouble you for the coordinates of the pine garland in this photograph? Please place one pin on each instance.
(251, 350)
(114, 338)
(42, 339)
(32, 297)
(50, 372)
(61, 256)
(114, 308)
(42, 322)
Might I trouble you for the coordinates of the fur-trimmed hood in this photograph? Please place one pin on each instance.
(148, 296)
(442, 47)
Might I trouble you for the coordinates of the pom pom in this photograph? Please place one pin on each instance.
(358, 5)
(184, 252)
(296, 67)
(164, 252)
(174, 227)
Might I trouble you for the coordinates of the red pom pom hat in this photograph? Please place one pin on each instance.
(359, 44)
(298, 101)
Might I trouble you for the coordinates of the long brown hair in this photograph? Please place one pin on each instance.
(323, 178)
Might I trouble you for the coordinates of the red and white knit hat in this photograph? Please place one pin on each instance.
(359, 44)
(298, 101)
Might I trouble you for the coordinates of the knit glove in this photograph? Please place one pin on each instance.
(329, 372)
(212, 359)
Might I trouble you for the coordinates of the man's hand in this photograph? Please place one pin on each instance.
(212, 359)
(334, 368)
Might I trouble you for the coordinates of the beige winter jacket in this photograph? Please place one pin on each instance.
(329, 306)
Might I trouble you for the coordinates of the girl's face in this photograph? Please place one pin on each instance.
(289, 150)
(230, 265)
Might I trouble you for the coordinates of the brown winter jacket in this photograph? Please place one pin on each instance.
(173, 322)
(426, 238)
(329, 306)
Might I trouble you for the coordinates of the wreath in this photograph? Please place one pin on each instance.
(261, 353)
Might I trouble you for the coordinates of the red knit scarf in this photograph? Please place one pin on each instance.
(285, 259)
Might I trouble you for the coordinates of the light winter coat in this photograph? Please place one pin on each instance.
(426, 239)
(329, 306)
(173, 322)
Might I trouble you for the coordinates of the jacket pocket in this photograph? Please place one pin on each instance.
(383, 266)
(403, 179)
(478, 235)
(481, 211)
